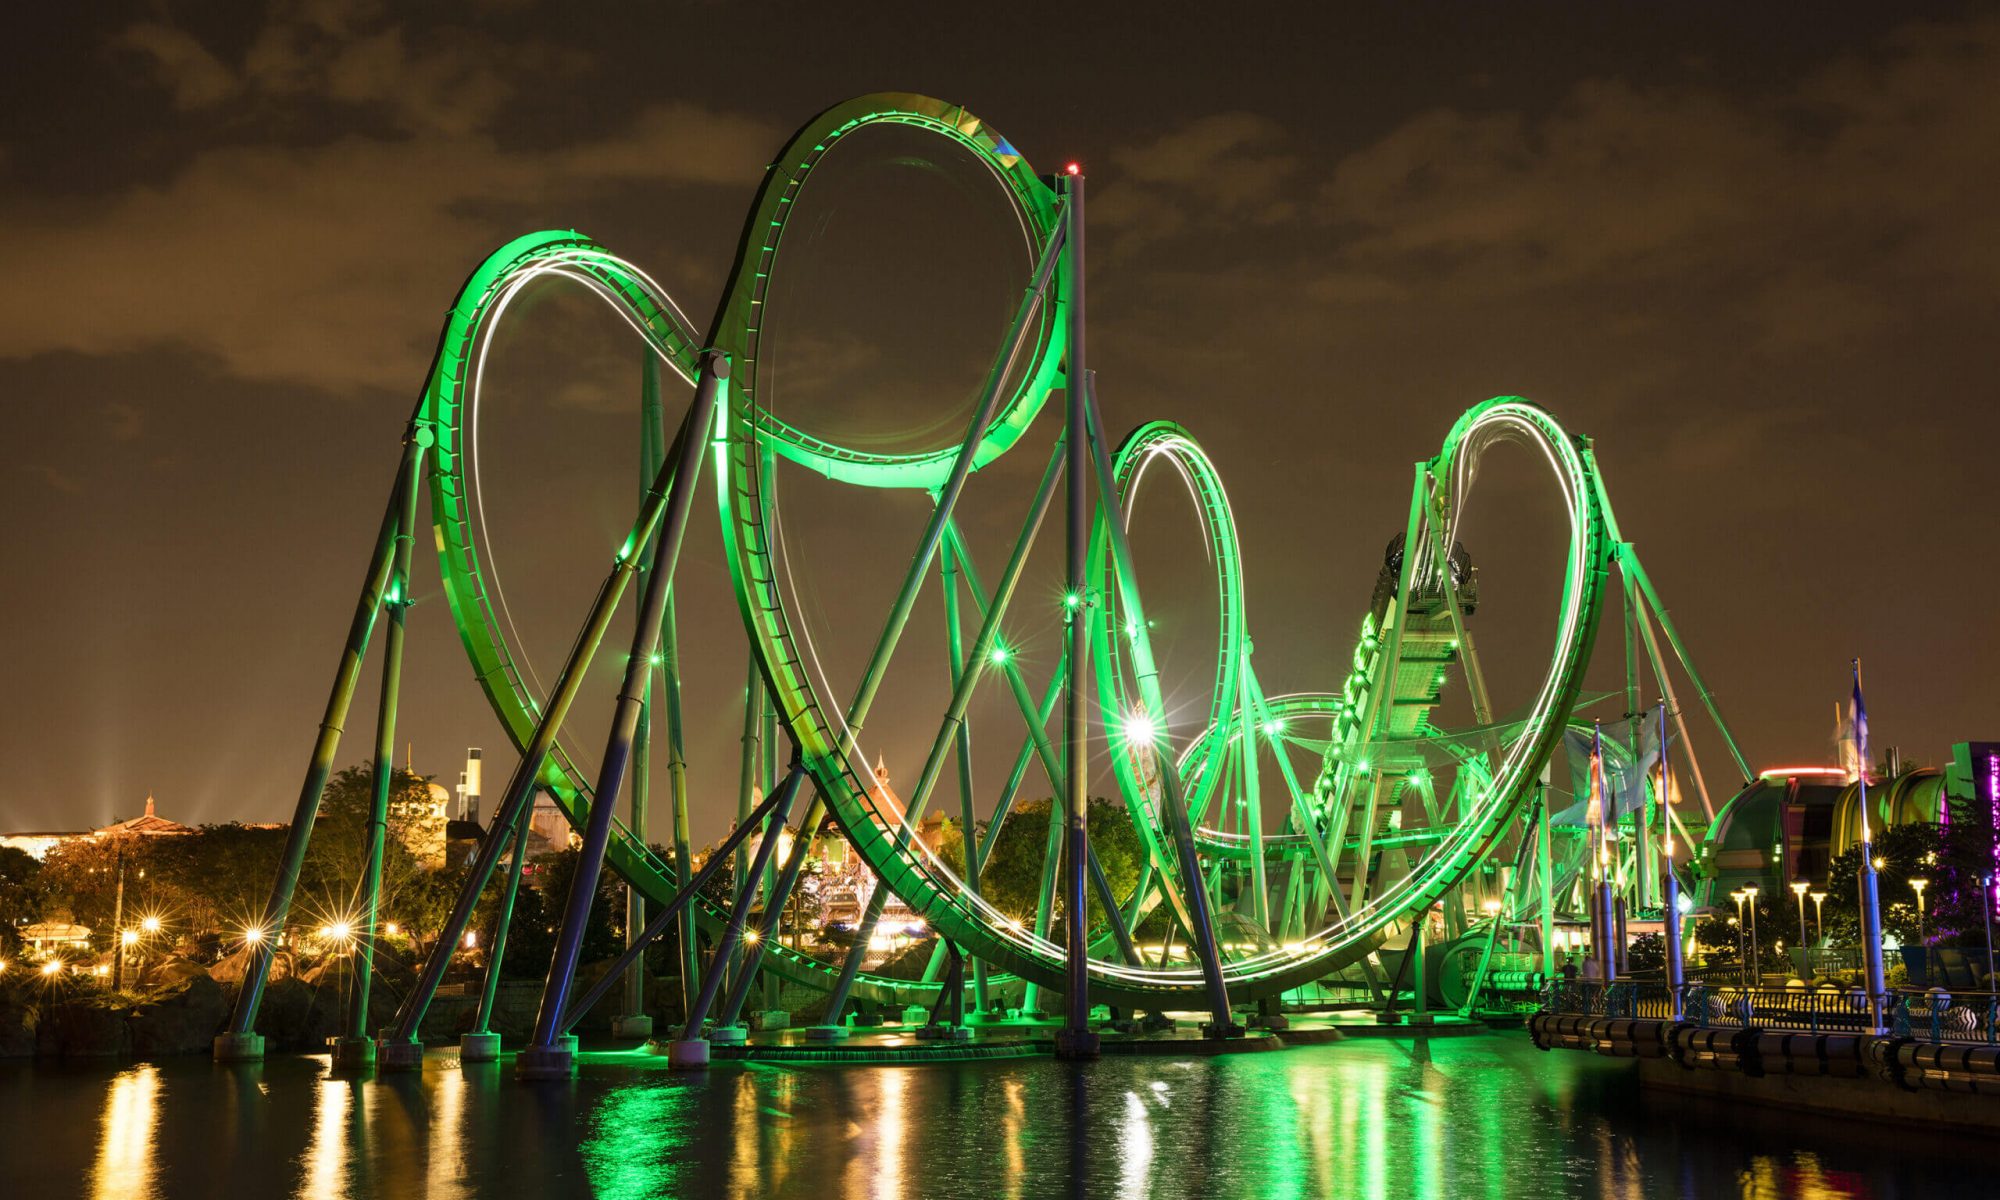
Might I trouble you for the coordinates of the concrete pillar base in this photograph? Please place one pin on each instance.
(544, 1062)
(826, 1033)
(945, 1033)
(1210, 1029)
(916, 1014)
(1076, 1044)
(479, 1047)
(1422, 1019)
(1271, 1021)
(687, 1054)
(728, 1035)
(638, 1027)
(353, 1053)
(239, 1047)
(391, 1055)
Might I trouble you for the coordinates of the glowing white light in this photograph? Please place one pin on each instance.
(1138, 728)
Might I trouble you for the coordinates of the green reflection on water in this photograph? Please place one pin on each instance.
(634, 1148)
(1483, 1118)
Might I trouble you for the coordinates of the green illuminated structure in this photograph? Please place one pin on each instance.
(1285, 840)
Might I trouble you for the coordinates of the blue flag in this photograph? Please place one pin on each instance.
(1858, 714)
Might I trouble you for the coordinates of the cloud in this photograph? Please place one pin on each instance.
(326, 264)
(1219, 170)
(180, 63)
(1806, 209)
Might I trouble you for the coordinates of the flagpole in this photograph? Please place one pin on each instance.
(1871, 903)
(1604, 913)
(1670, 884)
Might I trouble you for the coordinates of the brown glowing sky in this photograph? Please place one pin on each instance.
(1754, 254)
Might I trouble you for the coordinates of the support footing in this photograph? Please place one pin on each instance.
(353, 1054)
(826, 1033)
(399, 1056)
(638, 1027)
(544, 1062)
(944, 1033)
(728, 1035)
(479, 1047)
(687, 1054)
(1076, 1044)
(239, 1047)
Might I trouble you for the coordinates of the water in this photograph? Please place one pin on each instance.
(1480, 1118)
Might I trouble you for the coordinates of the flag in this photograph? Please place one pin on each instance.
(1858, 721)
(1858, 718)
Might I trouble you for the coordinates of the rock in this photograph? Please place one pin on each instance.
(17, 1028)
(82, 1029)
(182, 1022)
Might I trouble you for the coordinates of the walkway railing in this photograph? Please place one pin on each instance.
(1936, 1016)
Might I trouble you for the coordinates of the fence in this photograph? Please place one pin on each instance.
(1935, 1016)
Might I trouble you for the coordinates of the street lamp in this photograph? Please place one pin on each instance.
(1799, 887)
(150, 924)
(1986, 910)
(1742, 959)
(1918, 886)
(1819, 918)
(1756, 952)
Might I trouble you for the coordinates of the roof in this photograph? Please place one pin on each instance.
(149, 823)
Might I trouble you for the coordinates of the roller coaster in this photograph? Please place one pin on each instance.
(1288, 841)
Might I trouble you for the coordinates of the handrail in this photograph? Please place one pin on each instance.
(1934, 1015)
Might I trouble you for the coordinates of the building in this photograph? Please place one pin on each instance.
(149, 824)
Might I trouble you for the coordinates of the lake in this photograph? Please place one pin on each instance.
(1483, 1116)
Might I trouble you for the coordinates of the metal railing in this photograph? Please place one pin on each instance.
(1936, 1016)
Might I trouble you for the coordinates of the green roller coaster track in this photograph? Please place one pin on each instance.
(1363, 838)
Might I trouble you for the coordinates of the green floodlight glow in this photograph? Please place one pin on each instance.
(1071, 600)
(1274, 727)
(997, 656)
(657, 659)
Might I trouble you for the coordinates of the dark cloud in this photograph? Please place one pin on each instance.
(1752, 255)
(279, 261)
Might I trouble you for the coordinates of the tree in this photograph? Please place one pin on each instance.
(1904, 852)
(330, 881)
(220, 876)
(1014, 867)
(20, 894)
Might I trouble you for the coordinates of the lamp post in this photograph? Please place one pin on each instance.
(1799, 887)
(1986, 910)
(1819, 917)
(1918, 886)
(1756, 952)
(1742, 957)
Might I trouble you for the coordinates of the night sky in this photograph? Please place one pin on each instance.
(1753, 251)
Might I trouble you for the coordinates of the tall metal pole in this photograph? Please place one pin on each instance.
(747, 769)
(691, 1050)
(481, 1044)
(772, 926)
(238, 1042)
(399, 1048)
(1670, 881)
(1545, 864)
(634, 1022)
(670, 675)
(1871, 900)
(1076, 1040)
(543, 1057)
(955, 645)
(357, 1049)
